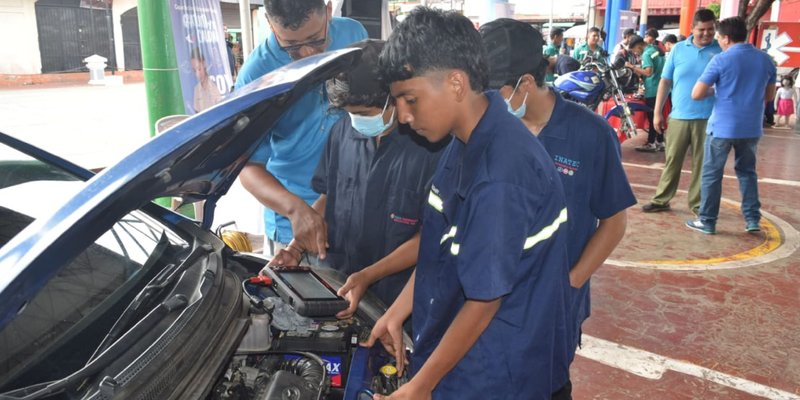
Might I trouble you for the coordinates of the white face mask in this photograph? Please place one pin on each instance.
(519, 112)
(372, 126)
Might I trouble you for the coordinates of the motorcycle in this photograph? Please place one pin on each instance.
(596, 81)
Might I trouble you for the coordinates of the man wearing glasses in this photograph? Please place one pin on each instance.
(279, 172)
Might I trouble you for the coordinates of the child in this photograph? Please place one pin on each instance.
(373, 179)
(784, 101)
(490, 293)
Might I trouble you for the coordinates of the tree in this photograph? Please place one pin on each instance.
(759, 9)
(715, 8)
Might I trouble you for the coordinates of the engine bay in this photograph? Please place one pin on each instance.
(288, 356)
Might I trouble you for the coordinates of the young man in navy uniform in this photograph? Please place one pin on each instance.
(373, 180)
(583, 147)
(489, 295)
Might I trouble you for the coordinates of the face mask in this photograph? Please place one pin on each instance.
(371, 126)
(519, 112)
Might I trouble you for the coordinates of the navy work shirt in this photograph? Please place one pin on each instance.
(375, 197)
(586, 154)
(494, 228)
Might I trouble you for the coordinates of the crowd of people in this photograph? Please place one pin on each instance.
(442, 173)
(711, 109)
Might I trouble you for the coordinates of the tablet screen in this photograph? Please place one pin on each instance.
(307, 286)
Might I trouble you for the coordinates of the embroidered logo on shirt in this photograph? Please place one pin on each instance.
(566, 166)
(403, 220)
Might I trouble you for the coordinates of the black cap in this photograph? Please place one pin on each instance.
(514, 48)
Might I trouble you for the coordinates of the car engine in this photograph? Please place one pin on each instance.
(288, 356)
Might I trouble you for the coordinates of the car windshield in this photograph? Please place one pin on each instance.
(61, 326)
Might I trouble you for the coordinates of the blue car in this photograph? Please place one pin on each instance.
(105, 294)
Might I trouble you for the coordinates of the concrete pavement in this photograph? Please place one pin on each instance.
(93, 126)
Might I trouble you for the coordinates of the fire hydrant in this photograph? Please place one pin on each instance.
(97, 65)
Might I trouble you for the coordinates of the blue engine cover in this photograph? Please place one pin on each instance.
(584, 86)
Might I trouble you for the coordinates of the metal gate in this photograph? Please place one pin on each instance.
(69, 33)
(132, 46)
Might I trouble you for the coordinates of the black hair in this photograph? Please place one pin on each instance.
(681, 38)
(538, 74)
(291, 14)
(635, 40)
(360, 84)
(734, 28)
(652, 32)
(556, 32)
(593, 29)
(703, 15)
(670, 39)
(628, 32)
(434, 40)
(787, 78)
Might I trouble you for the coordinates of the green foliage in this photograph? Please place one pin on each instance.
(715, 8)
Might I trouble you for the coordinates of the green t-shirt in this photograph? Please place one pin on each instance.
(550, 51)
(652, 58)
(583, 50)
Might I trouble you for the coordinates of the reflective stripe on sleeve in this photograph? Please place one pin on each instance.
(449, 235)
(547, 231)
(435, 201)
(454, 247)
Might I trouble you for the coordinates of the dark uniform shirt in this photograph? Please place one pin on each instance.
(494, 228)
(586, 154)
(374, 197)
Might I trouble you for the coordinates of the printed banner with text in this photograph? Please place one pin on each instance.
(201, 52)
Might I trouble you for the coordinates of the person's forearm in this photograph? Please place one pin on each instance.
(464, 331)
(269, 191)
(320, 204)
(605, 239)
(404, 302)
(402, 258)
(664, 87)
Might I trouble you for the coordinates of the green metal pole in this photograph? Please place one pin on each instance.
(161, 79)
(159, 61)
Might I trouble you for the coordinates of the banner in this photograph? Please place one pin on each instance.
(201, 52)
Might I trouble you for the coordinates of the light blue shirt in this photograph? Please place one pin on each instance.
(740, 76)
(293, 147)
(685, 63)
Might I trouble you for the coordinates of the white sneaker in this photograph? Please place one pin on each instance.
(648, 148)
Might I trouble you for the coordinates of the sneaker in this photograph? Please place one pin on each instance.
(660, 146)
(653, 207)
(648, 148)
(752, 226)
(699, 226)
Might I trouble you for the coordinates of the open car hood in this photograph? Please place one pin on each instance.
(197, 159)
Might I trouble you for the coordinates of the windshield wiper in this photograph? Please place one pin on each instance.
(111, 353)
(145, 297)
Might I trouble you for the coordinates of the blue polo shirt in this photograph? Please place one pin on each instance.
(740, 76)
(495, 228)
(375, 197)
(684, 66)
(291, 150)
(586, 153)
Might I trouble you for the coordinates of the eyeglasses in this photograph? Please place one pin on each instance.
(316, 43)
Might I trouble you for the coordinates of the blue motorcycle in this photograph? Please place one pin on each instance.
(596, 81)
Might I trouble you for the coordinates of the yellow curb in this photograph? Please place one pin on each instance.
(772, 240)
